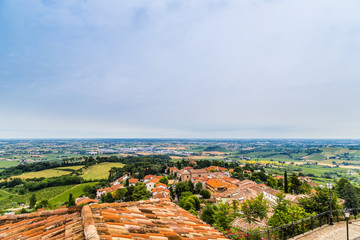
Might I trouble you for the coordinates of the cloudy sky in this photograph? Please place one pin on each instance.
(204, 68)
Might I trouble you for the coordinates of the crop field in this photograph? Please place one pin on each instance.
(11, 200)
(70, 168)
(44, 173)
(99, 171)
(76, 191)
(6, 164)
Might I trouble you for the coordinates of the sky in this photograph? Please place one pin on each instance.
(179, 69)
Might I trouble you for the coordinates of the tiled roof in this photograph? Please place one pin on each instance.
(155, 219)
(58, 224)
(214, 183)
(151, 219)
(133, 180)
(85, 200)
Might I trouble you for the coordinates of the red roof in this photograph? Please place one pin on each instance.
(133, 180)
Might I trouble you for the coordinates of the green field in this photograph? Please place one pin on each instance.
(70, 168)
(6, 164)
(44, 173)
(8, 200)
(100, 171)
(76, 191)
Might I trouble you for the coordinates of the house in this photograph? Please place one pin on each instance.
(150, 185)
(148, 178)
(133, 181)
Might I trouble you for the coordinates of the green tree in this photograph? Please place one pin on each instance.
(318, 202)
(286, 186)
(340, 187)
(172, 192)
(205, 194)
(32, 201)
(295, 184)
(71, 201)
(164, 180)
(271, 182)
(90, 191)
(191, 185)
(351, 197)
(119, 194)
(181, 187)
(284, 212)
(127, 182)
(255, 209)
(43, 204)
(198, 187)
(140, 192)
(223, 216)
(107, 198)
(207, 214)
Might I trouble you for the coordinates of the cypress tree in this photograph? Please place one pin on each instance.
(32, 201)
(286, 187)
(351, 198)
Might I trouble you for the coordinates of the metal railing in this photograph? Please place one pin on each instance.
(295, 228)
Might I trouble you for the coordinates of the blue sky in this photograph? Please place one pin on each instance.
(222, 69)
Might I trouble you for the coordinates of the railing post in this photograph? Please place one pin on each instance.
(302, 226)
(311, 223)
(268, 234)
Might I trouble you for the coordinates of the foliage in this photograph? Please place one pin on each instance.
(164, 180)
(319, 202)
(255, 209)
(90, 191)
(340, 187)
(107, 198)
(71, 201)
(286, 186)
(284, 212)
(223, 216)
(351, 197)
(140, 192)
(181, 187)
(198, 187)
(205, 194)
(189, 201)
(32, 201)
(119, 194)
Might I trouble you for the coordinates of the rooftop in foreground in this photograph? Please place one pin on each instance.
(156, 219)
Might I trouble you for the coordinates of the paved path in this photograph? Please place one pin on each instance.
(335, 232)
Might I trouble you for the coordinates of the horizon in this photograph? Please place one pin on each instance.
(205, 69)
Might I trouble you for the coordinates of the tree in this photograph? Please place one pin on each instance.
(42, 204)
(191, 185)
(90, 191)
(340, 187)
(271, 182)
(140, 192)
(198, 187)
(172, 193)
(164, 180)
(318, 202)
(181, 187)
(223, 216)
(255, 209)
(286, 187)
(108, 198)
(295, 184)
(127, 182)
(284, 212)
(71, 201)
(350, 196)
(205, 194)
(32, 201)
(207, 214)
(119, 194)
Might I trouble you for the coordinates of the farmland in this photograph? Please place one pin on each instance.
(99, 171)
(44, 173)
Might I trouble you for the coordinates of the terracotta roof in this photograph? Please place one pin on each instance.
(155, 219)
(149, 177)
(85, 200)
(151, 219)
(64, 223)
(133, 180)
(214, 183)
(160, 185)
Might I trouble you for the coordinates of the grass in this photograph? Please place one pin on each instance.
(76, 191)
(44, 173)
(70, 168)
(100, 171)
(7, 164)
(8, 200)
